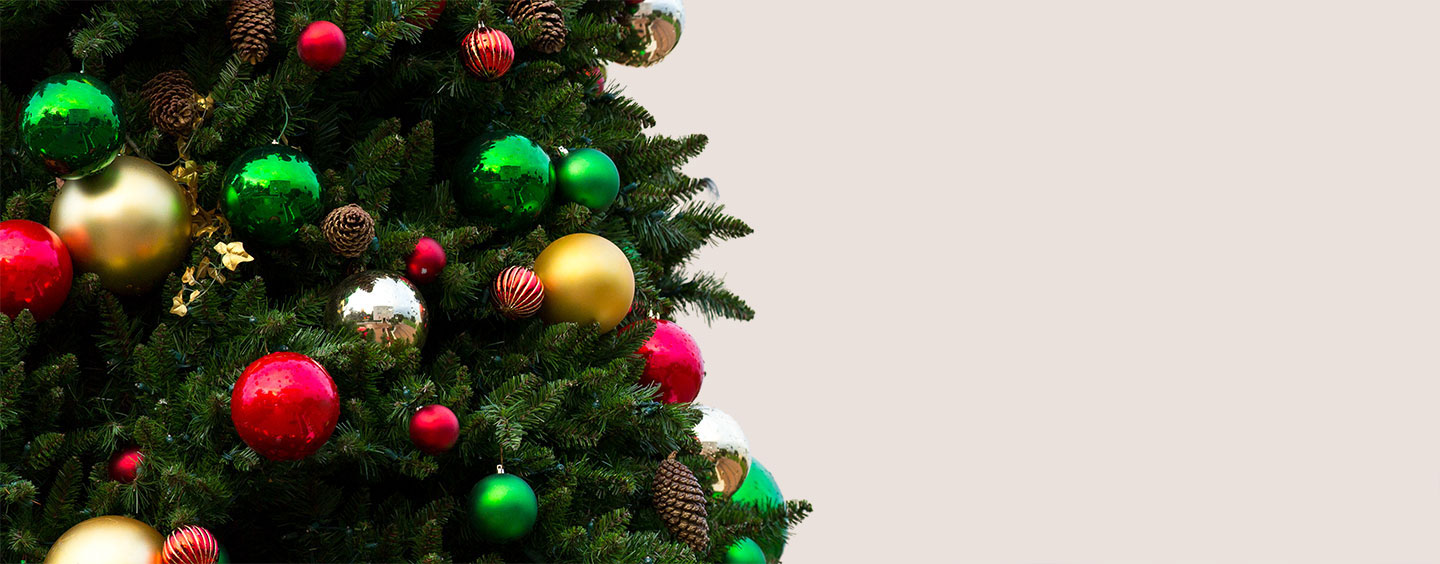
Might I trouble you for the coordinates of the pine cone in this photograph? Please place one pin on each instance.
(171, 98)
(681, 503)
(252, 28)
(349, 230)
(550, 18)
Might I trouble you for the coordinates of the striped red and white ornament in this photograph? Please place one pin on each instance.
(487, 52)
(518, 292)
(191, 545)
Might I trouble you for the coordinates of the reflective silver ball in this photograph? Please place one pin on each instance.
(384, 307)
(724, 443)
(658, 24)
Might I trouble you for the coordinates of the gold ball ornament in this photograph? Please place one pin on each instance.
(110, 539)
(128, 223)
(724, 444)
(381, 306)
(587, 280)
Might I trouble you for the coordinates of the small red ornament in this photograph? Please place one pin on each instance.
(434, 429)
(425, 262)
(518, 292)
(672, 360)
(432, 13)
(285, 406)
(487, 52)
(190, 545)
(321, 45)
(35, 271)
(124, 465)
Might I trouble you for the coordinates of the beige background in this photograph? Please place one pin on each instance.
(1078, 282)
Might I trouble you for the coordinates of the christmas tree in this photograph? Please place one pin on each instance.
(357, 281)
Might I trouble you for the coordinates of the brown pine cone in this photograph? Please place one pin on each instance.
(171, 99)
(681, 504)
(252, 28)
(349, 230)
(550, 18)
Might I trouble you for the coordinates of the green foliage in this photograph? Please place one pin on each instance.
(559, 405)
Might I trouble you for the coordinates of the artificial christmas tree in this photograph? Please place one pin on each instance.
(145, 348)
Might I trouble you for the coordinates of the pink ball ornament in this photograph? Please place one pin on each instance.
(321, 45)
(672, 360)
(425, 262)
(434, 429)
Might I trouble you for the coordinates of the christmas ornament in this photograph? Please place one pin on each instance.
(348, 230)
(744, 551)
(270, 191)
(425, 262)
(124, 465)
(760, 490)
(35, 272)
(672, 360)
(129, 223)
(547, 16)
(252, 28)
(680, 501)
(589, 178)
(434, 429)
(518, 292)
(503, 507)
(487, 53)
(285, 406)
(432, 13)
(191, 545)
(109, 539)
(596, 76)
(170, 97)
(321, 45)
(382, 307)
(504, 179)
(72, 123)
(724, 444)
(587, 280)
(657, 25)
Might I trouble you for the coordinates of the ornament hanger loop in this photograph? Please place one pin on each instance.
(499, 468)
(286, 124)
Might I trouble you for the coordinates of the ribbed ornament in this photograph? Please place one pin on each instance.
(191, 545)
(487, 52)
(518, 292)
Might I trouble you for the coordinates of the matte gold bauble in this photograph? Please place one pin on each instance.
(110, 539)
(128, 223)
(724, 443)
(587, 280)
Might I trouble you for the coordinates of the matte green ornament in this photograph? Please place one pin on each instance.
(760, 490)
(504, 179)
(72, 122)
(503, 507)
(744, 551)
(589, 178)
(270, 191)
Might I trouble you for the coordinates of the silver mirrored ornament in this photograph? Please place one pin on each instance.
(723, 442)
(658, 24)
(382, 306)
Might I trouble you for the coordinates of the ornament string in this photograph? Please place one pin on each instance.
(286, 124)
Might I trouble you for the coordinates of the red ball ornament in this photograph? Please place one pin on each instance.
(672, 360)
(124, 465)
(432, 13)
(487, 52)
(285, 406)
(35, 271)
(425, 262)
(321, 45)
(434, 429)
(190, 545)
(518, 292)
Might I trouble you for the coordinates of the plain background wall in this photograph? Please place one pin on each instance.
(1078, 282)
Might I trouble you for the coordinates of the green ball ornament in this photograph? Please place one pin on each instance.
(503, 507)
(760, 490)
(589, 178)
(504, 179)
(271, 191)
(72, 122)
(744, 551)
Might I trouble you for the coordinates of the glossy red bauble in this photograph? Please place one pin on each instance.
(425, 262)
(190, 545)
(487, 53)
(434, 429)
(518, 292)
(285, 406)
(672, 360)
(124, 465)
(321, 45)
(35, 271)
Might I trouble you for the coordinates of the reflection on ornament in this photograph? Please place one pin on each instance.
(657, 23)
(35, 271)
(724, 444)
(109, 539)
(383, 307)
(270, 191)
(504, 179)
(72, 123)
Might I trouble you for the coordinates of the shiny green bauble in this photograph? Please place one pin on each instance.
(589, 178)
(72, 123)
(744, 551)
(503, 507)
(504, 180)
(760, 490)
(271, 191)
